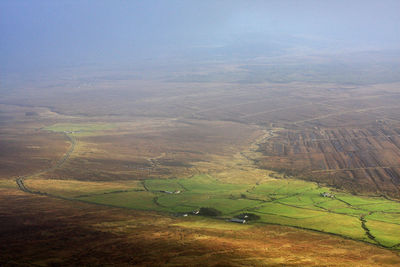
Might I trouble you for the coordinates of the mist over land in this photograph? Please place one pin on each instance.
(142, 132)
(47, 34)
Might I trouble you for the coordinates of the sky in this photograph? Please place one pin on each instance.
(48, 34)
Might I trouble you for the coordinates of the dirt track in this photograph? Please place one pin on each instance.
(20, 180)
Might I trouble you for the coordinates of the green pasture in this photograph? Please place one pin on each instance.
(80, 129)
(162, 185)
(278, 201)
(361, 201)
(349, 211)
(385, 217)
(208, 184)
(329, 223)
(192, 201)
(387, 234)
(288, 211)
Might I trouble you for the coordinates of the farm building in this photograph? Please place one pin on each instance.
(236, 220)
(327, 194)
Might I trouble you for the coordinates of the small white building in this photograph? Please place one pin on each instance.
(327, 194)
(236, 220)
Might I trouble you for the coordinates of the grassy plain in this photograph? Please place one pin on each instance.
(81, 129)
(277, 201)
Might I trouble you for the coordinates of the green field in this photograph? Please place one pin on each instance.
(79, 129)
(276, 201)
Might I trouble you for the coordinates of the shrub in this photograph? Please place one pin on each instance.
(209, 212)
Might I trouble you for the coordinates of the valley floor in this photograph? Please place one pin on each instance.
(59, 213)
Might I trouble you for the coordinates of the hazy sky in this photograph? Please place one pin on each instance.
(36, 34)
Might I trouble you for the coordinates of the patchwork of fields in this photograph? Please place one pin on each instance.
(276, 201)
(273, 199)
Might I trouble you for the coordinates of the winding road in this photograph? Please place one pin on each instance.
(20, 180)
